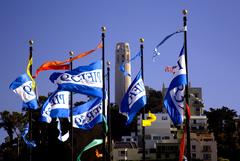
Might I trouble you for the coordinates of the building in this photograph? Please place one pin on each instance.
(122, 82)
(161, 140)
(126, 149)
(203, 144)
(198, 124)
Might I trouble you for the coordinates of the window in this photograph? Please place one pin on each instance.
(206, 148)
(193, 155)
(156, 137)
(122, 58)
(193, 147)
(164, 117)
(122, 153)
(207, 156)
(166, 138)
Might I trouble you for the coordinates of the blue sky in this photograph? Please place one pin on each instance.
(58, 26)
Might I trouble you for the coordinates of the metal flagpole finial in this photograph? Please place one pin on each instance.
(108, 63)
(141, 40)
(71, 53)
(103, 29)
(30, 42)
(185, 12)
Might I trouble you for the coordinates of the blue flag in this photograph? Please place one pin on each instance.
(23, 86)
(56, 106)
(30, 143)
(156, 52)
(83, 79)
(134, 99)
(62, 137)
(87, 115)
(174, 99)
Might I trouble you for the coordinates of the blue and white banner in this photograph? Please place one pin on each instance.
(29, 143)
(134, 99)
(23, 86)
(61, 137)
(83, 79)
(56, 106)
(87, 115)
(174, 99)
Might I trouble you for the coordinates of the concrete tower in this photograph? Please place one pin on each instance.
(122, 82)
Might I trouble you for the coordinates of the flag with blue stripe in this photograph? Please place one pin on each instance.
(83, 79)
(56, 106)
(62, 137)
(174, 98)
(134, 99)
(87, 115)
(30, 143)
(23, 86)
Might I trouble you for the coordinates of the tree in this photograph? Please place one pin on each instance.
(41, 100)
(154, 100)
(12, 122)
(221, 123)
(118, 124)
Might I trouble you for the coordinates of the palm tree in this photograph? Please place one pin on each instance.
(12, 122)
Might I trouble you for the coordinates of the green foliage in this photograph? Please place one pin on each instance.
(222, 124)
(118, 124)
(154, 100)
(41, 100)
(12, 122)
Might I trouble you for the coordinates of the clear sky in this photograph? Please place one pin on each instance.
(58, 26)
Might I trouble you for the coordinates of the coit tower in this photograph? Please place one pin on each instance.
(122, 82)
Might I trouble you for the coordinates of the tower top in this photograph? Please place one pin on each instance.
(122, 47)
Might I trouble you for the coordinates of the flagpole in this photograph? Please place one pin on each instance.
(143, 111)
(71, 108)
(103, 90)
(187, 90)
(30, 110)
(109, 114)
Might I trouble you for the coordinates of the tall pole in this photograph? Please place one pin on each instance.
(187, 90)
(30, 110)
(103, 90)
(71, 110)
(109, 114)
(143, 111)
